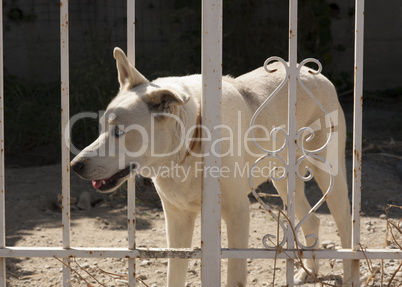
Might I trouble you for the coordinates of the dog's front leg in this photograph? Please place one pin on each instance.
(237, 218)
(179, 231)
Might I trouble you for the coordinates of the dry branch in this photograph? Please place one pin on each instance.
(69, 267)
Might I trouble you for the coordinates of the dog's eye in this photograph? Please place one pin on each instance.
(118, 133)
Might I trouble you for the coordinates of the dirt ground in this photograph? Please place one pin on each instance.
(33, 218)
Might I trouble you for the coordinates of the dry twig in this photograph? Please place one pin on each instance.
(100, 269)
(391, 228)
(113, 274)
(122, 275)
(79, 266)
(299, 253)
(69, 267)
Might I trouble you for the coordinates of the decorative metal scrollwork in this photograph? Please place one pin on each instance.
(304, 135)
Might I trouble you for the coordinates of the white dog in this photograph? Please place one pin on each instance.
(153, 128)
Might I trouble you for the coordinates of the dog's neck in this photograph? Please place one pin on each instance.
(195, 139)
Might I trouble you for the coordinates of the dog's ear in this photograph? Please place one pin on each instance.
(129, 77)
(161, 100)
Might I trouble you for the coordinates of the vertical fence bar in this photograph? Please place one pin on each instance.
(211, 118)
(131, 229)
(291, 134)
(131, 181)
(357, 132)
(65, 133)
(2, 185)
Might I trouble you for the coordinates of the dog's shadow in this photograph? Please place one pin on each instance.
(268, 194)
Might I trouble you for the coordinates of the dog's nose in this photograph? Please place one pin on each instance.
(77, 166)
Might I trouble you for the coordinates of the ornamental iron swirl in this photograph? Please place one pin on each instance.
(304, 135)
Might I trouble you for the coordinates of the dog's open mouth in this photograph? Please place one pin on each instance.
(111, 182)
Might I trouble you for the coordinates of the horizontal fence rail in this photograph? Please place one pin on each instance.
(255, 253)
(211, 252)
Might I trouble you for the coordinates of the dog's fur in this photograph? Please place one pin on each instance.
(180, 96)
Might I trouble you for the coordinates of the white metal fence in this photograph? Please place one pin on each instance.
(211, 252)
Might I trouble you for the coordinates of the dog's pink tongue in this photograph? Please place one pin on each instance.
(96, 183)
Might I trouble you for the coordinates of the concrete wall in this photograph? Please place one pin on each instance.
(31, 36)
(383, 44)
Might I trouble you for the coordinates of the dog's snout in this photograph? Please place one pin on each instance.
(77, 166)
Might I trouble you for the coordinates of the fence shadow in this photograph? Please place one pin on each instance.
(380, 187)
(33, 203)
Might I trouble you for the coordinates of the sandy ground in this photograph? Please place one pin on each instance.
(34, 219)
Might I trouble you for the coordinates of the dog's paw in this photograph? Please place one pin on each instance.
(300, 277)
(298, 282)
(308, 273)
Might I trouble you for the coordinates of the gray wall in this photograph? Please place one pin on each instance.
(382, 45)
(31, 37)
(31, 40)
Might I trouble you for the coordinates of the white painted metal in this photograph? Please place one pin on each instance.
(256, 253)
(211, 252)
(357, 133)
(318, 254)
(65, 136)
(292, 77)
(271, 153)
(131, 229)
(211, 118)
(2, 185)
(131, 181)
(291, 141)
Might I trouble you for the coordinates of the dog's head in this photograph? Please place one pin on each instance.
(142, 126)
